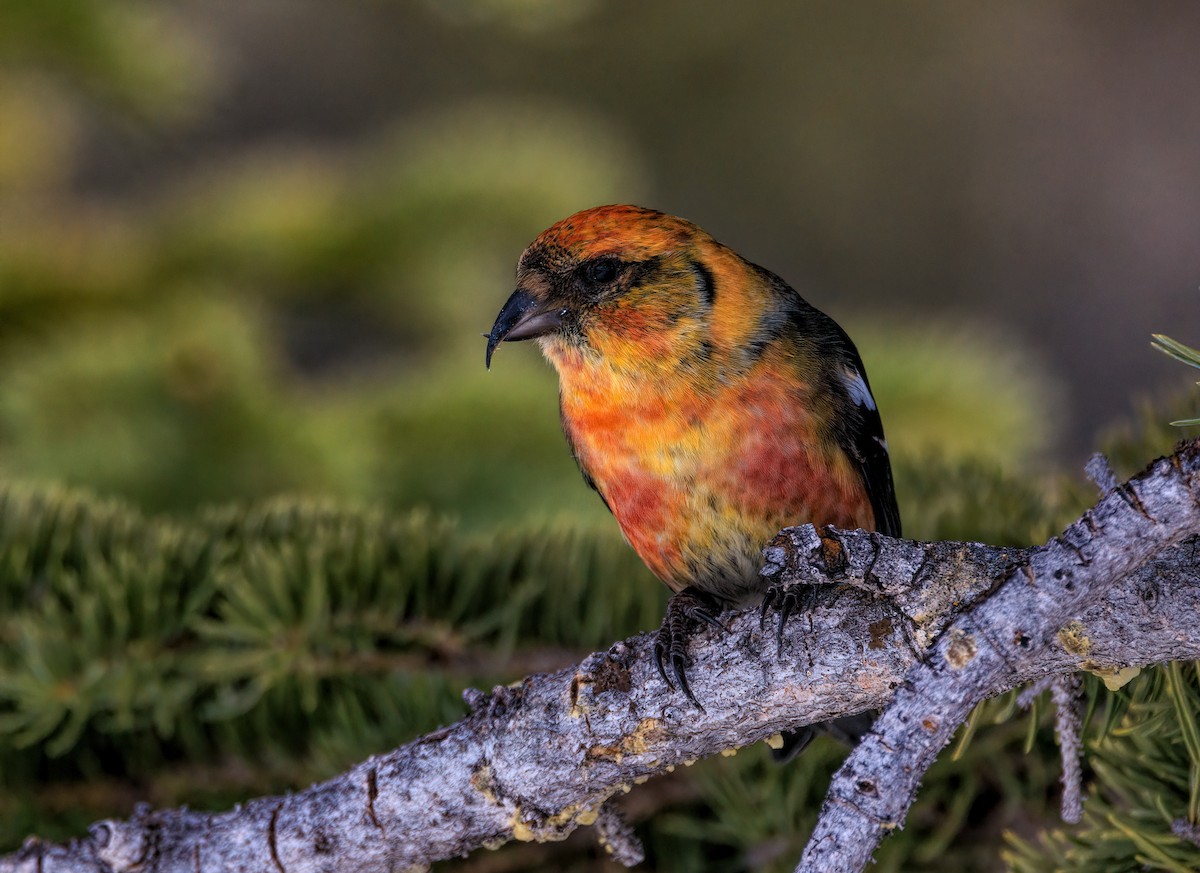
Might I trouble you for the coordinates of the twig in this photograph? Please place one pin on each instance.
(617, 837)
(1185, 830)
(1026, 697)
(1068, 725)
(1100, 471)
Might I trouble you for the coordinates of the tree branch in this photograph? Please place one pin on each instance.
(534, 760)
(1019, 633)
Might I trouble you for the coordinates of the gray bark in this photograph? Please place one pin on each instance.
(1114, 571)
(923, 629)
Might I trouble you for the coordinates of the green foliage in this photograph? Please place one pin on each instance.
(135, 54)
(974, 499)
(296, 320)
(1147, 434)
(299, 318)
(1147, 778)
(1183, 354)
(485, 446)
(280, 318)
(182, 401)
(959, 391)
(1177, 350)
(192, 401)
(288, 630)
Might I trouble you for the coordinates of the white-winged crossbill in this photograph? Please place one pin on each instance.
(705, 400)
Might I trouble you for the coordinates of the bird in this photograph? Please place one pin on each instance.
(703, 398)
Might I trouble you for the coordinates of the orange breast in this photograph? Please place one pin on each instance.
(700, 477)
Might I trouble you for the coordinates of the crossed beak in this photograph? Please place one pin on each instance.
(523, 317)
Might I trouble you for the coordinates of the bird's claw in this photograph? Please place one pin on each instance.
(788, 598)
(679, 662)
(670, 647)
(707, 617)
(769, 598)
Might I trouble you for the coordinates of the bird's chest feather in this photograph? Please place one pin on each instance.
(700, 474)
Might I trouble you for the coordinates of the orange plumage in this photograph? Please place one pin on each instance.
(702, 397)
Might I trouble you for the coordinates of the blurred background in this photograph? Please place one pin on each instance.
(248, 248)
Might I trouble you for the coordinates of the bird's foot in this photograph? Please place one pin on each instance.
(670, 648)
(788, 598)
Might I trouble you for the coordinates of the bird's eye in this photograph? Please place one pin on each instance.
(602, 271)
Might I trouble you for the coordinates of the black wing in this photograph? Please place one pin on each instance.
(860, 433)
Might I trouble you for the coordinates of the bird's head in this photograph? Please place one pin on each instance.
(619, 283)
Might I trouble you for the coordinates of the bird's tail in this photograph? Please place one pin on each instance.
(848, 729)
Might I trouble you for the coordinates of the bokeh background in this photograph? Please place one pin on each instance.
(247, 249)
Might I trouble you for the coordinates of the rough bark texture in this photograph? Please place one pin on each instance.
(925, 630)
(1016, 634)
